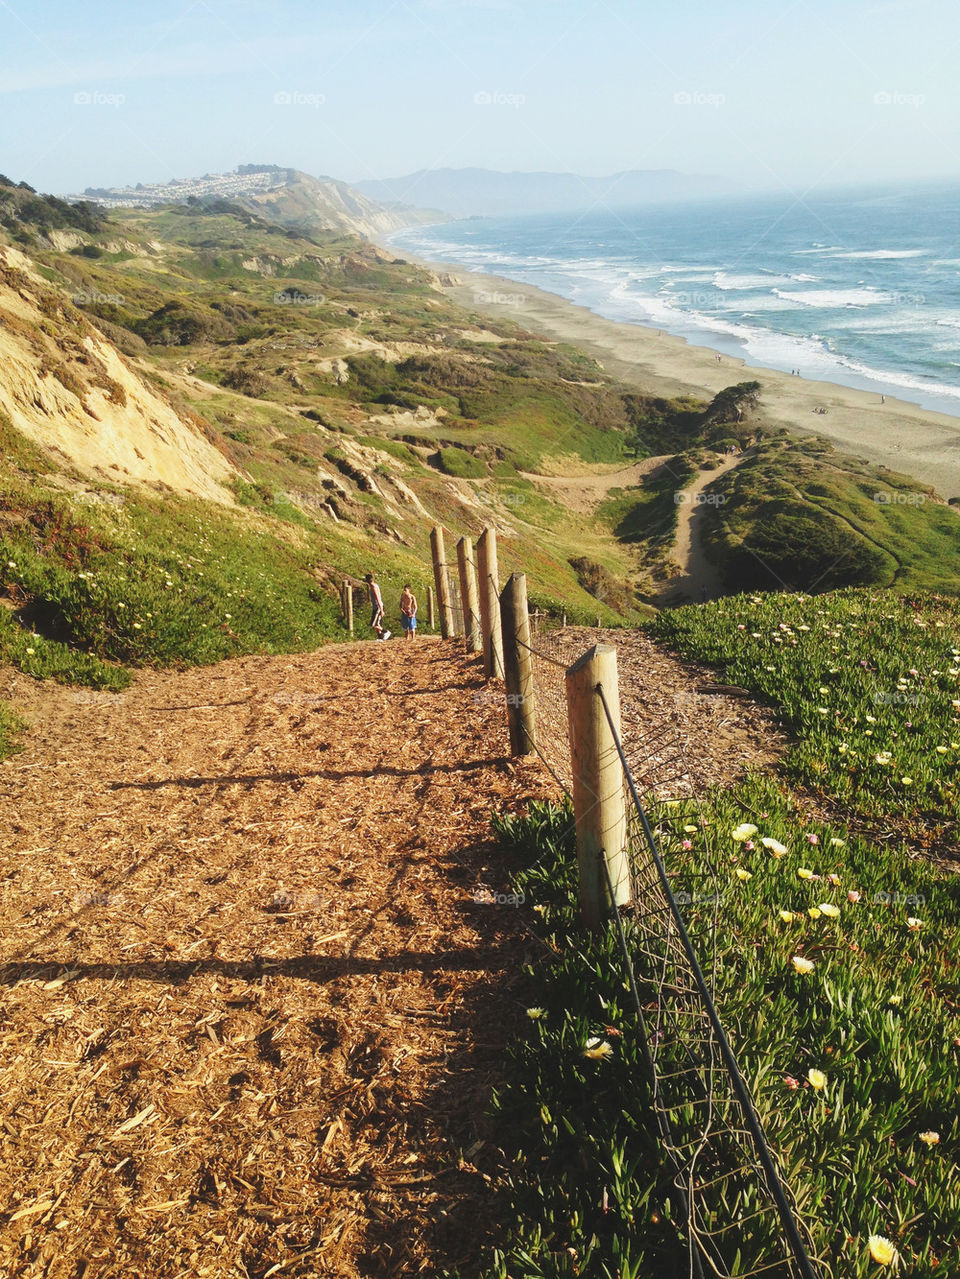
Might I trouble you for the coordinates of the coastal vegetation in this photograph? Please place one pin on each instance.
(834, 948)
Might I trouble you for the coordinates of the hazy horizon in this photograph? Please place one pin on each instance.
(786, 96)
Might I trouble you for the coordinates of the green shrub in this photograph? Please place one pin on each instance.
(460, 463)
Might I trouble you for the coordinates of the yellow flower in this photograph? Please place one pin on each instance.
(913, 923)
(831, 912)
(834, 879)
(743, 874)
(881, 1250)
(813, 913)
(776, 848)
(597, 1048)
(803, 873)
(788, 916)
(802, 965)
(535, 1013)
(30, 652)
(743, 831)
(930, 1138)
(816, 1079)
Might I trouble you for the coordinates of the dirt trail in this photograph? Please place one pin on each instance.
(699, 577)
(253, 997)
(255, 982)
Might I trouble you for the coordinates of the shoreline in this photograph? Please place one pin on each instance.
(921, 443)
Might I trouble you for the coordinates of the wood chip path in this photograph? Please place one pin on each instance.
(255, 985)
(251, 1007)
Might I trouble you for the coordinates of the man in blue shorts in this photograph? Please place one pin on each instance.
(408, 613)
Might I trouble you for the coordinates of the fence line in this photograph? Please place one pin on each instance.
(726, 1176)
(730, 1118)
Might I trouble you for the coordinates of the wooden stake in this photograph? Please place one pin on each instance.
(518, 666)
(598, 783)
(348, 605)
(438, 551)
(468, 594)
(490, 634)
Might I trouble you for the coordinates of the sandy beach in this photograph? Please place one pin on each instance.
(896, 434)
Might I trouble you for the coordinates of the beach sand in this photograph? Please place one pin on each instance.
(900, 436)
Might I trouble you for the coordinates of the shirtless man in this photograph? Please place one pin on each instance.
(376, 608)
(408, 613)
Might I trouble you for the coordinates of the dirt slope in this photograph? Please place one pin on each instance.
(69, 391)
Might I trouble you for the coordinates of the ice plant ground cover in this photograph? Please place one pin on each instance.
(837, 961)
(868, 681)
(845, 1023)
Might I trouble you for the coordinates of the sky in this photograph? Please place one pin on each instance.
(772, 94)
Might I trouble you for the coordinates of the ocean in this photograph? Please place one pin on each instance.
(858, 287)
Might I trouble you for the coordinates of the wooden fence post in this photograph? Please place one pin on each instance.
(348, 605)
(599, 803)
(430, 617)
(518, 666)
(438, 551)
(490, 634)
(468, 593)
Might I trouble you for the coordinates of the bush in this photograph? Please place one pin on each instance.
(459, 463)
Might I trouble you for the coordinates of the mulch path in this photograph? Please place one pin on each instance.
(255, 984)
(254, 991)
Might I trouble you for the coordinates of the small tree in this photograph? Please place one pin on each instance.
(730, 404)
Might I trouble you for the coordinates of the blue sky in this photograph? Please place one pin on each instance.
(778, 93)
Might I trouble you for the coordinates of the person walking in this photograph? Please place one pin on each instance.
(408, 613)
(376, 608)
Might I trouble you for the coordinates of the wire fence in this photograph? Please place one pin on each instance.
(730, 1184)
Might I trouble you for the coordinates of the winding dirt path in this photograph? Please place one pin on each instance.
(699, 579)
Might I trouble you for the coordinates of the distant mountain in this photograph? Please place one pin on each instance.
(285, 196)
(466, 192)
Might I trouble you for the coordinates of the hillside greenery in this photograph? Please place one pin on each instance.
(833, 946)
(359, 405)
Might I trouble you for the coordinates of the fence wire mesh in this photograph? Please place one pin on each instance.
(731, 1185)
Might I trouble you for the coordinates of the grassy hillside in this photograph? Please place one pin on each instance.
(833, 945)
(354, 405)
(798, 516)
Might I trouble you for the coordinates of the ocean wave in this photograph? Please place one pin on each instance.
(830, 298)
(879, 255)
(726, 280)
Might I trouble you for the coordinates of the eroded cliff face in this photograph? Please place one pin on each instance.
(68, 389)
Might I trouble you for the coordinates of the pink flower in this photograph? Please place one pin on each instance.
(687, 845)
(791, 1082)
(813, 839)
(749, 844)
(853, 895)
